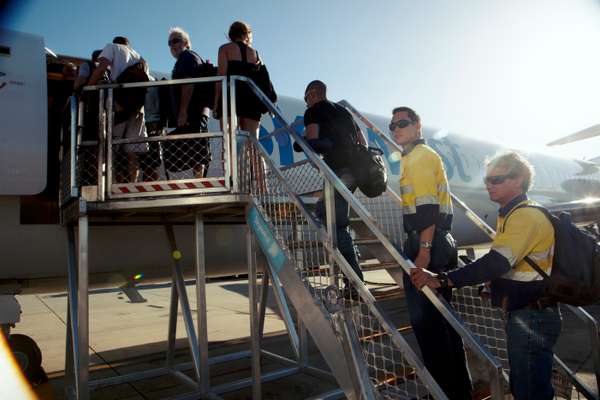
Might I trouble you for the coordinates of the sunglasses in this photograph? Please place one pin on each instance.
(174, 41)
(496, 179)
(403, 123)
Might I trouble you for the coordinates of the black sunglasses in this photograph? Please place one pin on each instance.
(174, 41)
(403, 123)
(496, 179)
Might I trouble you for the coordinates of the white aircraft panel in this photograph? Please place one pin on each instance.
(23, 114)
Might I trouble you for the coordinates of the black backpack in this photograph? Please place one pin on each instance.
(131, 100)
(575, 276)
(207, 90)
(369, 170)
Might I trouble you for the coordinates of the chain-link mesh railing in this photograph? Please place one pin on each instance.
(387, 212)
(172, 162)
(87, 163)
(393, 368)
(143, 157)
(473, 305)
(304, 176)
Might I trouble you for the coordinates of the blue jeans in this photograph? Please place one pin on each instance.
(441, 347)
(531, 335)
(342, 220)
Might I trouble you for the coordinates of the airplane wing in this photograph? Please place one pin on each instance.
(587, 133)
(584, 211)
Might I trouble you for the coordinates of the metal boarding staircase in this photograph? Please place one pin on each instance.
(302, 257)
(486, 322)
(303, 262)
(302, 253)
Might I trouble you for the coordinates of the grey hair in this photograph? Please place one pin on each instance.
(184, 35)
(515, 165)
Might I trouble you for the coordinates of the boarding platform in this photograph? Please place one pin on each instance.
(288, 250)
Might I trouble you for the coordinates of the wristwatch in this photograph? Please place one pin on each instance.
(425, 245)
(443, 279)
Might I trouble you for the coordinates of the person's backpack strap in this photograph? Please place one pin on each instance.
(526, 258)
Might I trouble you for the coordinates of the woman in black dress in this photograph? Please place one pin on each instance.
(239, 58)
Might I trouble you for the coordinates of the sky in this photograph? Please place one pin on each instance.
(516, 72)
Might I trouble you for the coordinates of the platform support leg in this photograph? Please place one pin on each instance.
(254, 315)
(184, 303)
(81, 345)
(200, 261)
(72, 344)
(172, 334)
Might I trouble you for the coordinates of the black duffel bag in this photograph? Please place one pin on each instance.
(369, 170)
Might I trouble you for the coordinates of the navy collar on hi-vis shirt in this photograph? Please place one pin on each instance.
(511, 204)
(409, 147)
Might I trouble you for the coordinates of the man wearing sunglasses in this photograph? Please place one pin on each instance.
(427, 217)
(533, 324)
(332, 132)
(189, 114)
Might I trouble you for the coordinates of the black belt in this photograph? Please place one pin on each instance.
(541, 304)
(414, 232)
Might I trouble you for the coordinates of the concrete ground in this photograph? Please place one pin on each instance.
(127, 337)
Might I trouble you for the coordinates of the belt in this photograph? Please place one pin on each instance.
(541, 304)
(414, 232)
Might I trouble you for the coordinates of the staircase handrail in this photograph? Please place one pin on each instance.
(347, 270)
(438, 301)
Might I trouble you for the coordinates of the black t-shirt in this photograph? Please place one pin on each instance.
(336, 124)
(187, 66)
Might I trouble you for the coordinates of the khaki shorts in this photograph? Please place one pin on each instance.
(133, 127)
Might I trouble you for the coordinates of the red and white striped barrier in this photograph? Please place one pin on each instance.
(146, 187)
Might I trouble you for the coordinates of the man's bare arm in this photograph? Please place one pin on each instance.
(99, 71)
(186, 96)
(312, 132)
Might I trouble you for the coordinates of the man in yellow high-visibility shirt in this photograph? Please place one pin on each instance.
(533, 322)
(427, 214)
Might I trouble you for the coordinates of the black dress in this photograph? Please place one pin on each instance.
(247, 105)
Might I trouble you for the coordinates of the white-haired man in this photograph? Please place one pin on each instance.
(189, 110)
(533, 322)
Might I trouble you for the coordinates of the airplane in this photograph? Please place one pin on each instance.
(33, 243)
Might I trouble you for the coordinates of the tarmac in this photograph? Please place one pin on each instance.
(126, 337)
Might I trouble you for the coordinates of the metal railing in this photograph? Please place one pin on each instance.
(393, 368)
(160, 162)
(487, 322)
(320, 276)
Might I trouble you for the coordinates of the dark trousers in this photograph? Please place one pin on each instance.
(441, 347)
(342, 220)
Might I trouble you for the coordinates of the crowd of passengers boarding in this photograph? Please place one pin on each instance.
(174, 110)
(533, 323)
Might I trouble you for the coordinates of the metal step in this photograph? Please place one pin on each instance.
(378, 266)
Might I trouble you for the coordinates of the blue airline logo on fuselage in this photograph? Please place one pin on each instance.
(449, 152)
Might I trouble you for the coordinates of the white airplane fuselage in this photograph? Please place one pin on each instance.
(34, 255)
